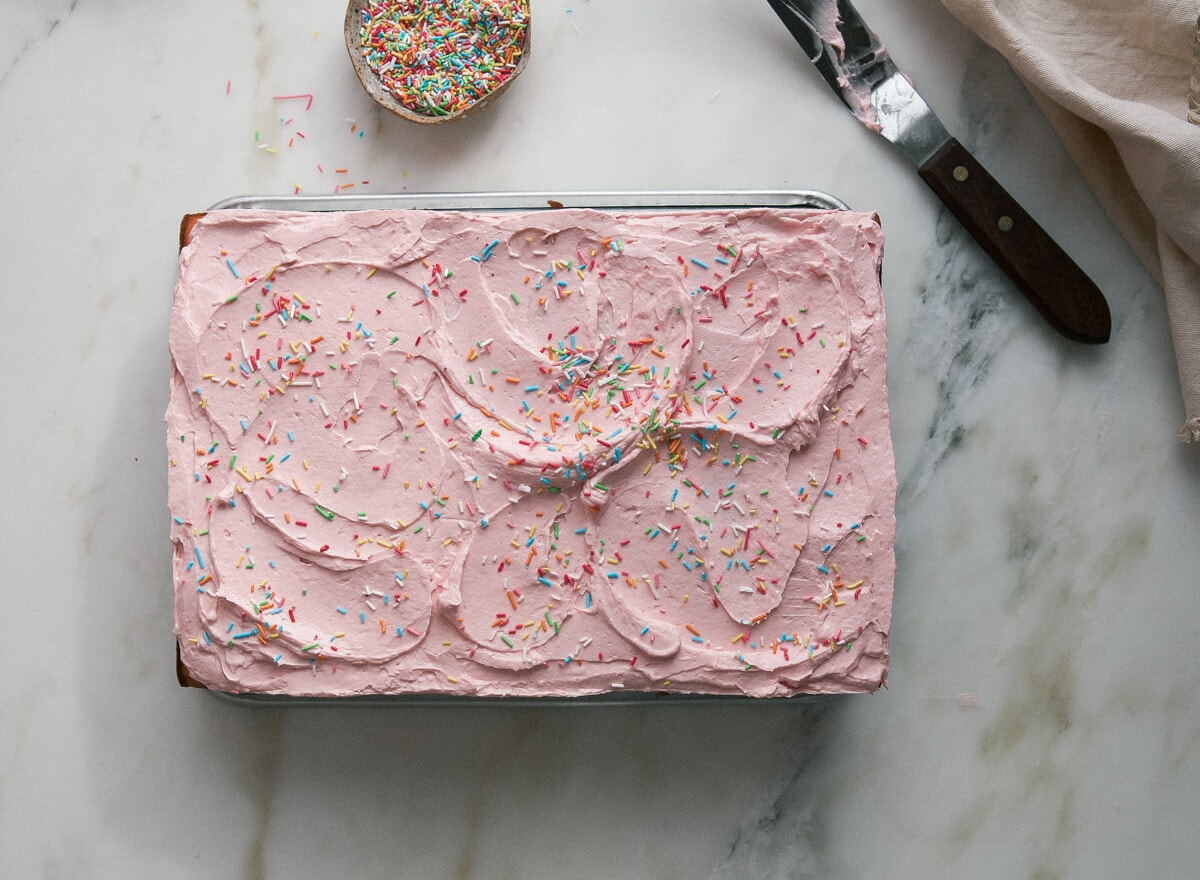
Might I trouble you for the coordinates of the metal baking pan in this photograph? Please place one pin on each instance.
(524, 201)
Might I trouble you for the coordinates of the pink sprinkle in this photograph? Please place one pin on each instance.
(307, 106)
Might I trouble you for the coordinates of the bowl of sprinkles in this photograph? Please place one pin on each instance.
(431, 61)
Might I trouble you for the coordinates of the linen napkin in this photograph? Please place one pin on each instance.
(1113, 78)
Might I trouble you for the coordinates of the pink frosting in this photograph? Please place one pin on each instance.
(549, 453)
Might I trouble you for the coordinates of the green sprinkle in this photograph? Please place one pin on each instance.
(310, 647)
(232, 460)
(515, 298)
(392, 341)
(231, 299)
(390, 295)
(506, 641)
(476, 435)
(328, 514)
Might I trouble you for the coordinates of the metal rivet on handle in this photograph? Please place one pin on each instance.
(1005, 223)
(961, 173)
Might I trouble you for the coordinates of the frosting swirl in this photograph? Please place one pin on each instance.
(549, 453)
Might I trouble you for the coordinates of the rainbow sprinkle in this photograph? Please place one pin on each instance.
(438, 58)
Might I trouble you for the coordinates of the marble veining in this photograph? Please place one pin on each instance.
(1041, 718)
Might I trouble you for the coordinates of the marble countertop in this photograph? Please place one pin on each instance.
(1041, 718)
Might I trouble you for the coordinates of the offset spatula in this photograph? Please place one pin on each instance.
(853, 61)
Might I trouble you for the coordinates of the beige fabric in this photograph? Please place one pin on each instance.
(1113, 77)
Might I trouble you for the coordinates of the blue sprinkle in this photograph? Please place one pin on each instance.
(702, 265)
(341, 610)
(229, 263)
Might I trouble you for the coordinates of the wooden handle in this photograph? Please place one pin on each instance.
(1042, 271)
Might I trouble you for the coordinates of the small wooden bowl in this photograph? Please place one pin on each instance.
(375, 87)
